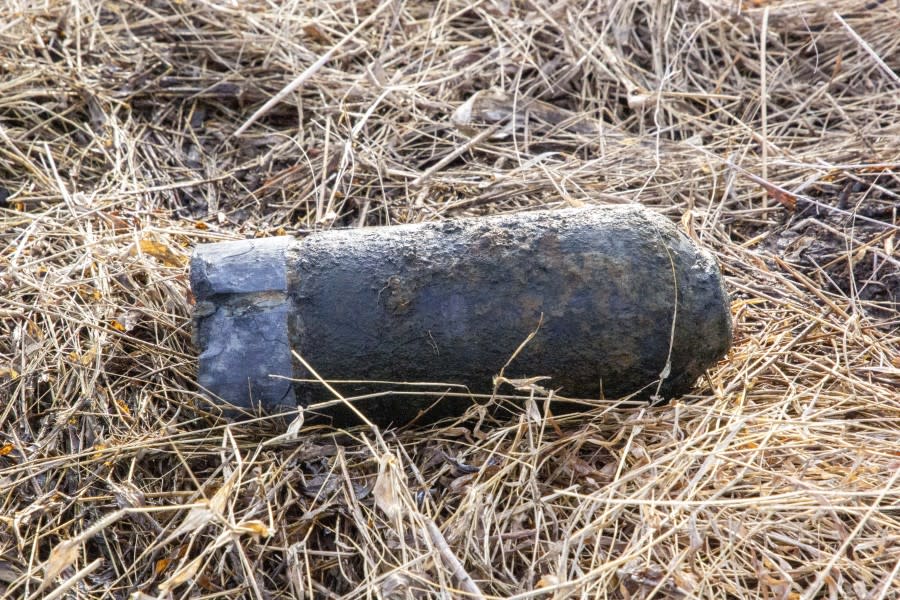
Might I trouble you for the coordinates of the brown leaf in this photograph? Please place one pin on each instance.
(199, 517)
(61, 557)
(459, 484)
(315, 33)
(547, 581)
(217, 502)
(533, 412)
(160, 251)
(789, 201)
(254, 527)
(385, 492)
(161, 565)
(204, 582)
(181, 575)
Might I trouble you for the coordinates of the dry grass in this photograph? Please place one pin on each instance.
(777, 479)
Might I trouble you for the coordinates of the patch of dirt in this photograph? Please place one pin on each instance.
(847, 242)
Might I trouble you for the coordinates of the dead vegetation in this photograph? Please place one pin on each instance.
(119, 151)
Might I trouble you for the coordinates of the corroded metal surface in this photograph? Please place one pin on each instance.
(452, 301)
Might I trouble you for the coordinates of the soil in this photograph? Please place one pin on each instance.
(846, 243)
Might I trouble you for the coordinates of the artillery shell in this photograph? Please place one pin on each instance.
(620, 300)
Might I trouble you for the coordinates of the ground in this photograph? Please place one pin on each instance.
(130, 132)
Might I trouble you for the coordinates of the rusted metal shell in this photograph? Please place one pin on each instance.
(620, 300)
